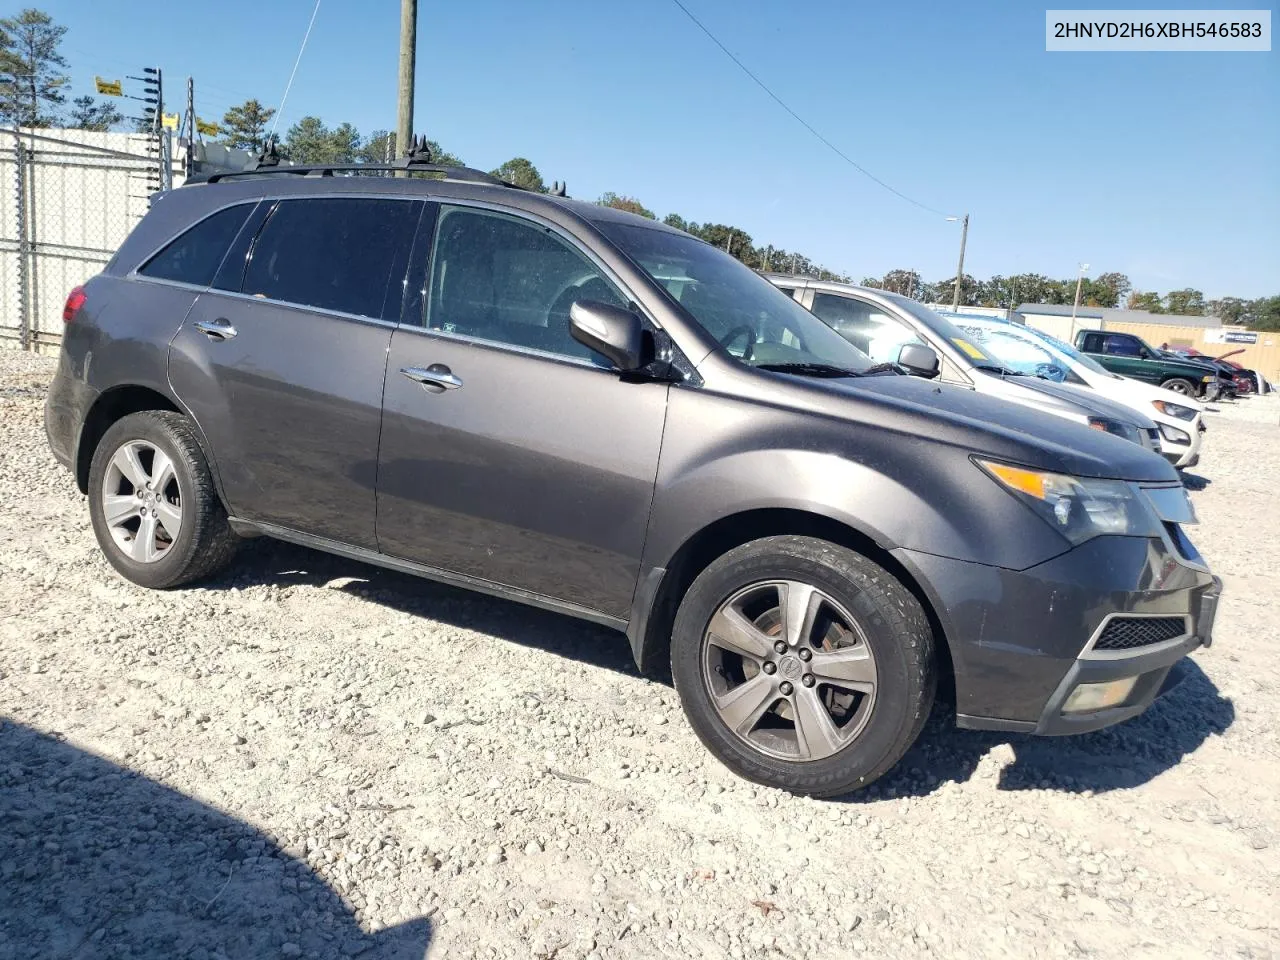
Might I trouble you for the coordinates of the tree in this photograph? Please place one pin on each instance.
(874, 283)
(381, 148)
(1032, 288)
(1263, 313)
(245, 127)
(89, 114)
(968, 290)
(905, 282)
(522, 173)
(1231, 310)
(629, 204)
(31, 69)
(1145, 301)
(1110, 288)
(677, 221)
(309, 141)
(1187, 301)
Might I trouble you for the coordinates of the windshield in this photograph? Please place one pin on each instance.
(965, 343)
(751, 318)
(1067, 349)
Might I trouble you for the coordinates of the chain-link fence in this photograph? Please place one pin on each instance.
(67, 200)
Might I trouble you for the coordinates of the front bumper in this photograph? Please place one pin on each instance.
(1018, 638)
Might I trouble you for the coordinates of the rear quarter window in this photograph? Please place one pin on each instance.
(194, 256)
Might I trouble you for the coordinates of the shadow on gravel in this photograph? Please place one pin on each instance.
(1123, 756)
(99, 862)
(1193, 481)
(265, 560)
(1127, 755)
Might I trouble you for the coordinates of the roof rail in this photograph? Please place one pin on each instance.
(418, 159)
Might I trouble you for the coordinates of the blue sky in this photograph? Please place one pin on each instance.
(1163, 166)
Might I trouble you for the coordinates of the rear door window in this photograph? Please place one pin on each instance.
(343, 254)
(195, 255)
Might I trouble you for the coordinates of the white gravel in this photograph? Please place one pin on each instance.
(311, 757)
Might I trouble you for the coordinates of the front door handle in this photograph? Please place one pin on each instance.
(437, 378)
(220, 329)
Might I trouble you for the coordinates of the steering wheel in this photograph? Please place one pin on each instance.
(742, 330)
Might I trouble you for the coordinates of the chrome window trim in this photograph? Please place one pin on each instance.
(307, 308)
(531, 352)
(1089, 653)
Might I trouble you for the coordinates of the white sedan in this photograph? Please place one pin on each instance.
(1033, 352)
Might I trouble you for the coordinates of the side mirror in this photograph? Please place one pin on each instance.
(613, 332)
(918, 360)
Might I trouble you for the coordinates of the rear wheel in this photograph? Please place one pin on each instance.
(803, 665)
(1178, 385)
(155, 512)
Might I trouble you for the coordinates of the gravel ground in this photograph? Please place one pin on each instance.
(311, 757)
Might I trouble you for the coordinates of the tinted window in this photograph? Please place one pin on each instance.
(510, 281)
(194, 256)
(1121, 347)
(339, 254)
(874, 332)
(751, 318)
(1093, 343)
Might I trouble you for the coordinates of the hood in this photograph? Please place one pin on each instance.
(1083, 400)
(1144, 393)
(984, 424)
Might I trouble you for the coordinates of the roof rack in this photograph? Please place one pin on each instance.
(418, 160)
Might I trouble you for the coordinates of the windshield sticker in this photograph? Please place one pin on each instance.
(973, 352)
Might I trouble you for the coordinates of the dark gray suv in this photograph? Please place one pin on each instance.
(576, 408)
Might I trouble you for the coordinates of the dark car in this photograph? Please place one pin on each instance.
(577, 408)
(1131, 356)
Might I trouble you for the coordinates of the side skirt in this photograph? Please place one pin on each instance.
(251, 528)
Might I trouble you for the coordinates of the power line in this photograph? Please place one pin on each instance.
(799, 119)
(305, 37)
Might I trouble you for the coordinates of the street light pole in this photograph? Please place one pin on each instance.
(964, 236)
(1076, 304)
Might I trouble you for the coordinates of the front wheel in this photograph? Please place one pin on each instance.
(803, 665)
(1178, 385)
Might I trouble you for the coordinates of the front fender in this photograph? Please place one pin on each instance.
(721, 457)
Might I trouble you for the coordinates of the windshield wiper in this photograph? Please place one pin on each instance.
(998, 370)
(809, 369)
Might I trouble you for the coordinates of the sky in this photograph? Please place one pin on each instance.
(1162, 166)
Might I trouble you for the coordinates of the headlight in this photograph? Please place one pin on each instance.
(1207, 378)
(1126, 431)
(1173, 434)
(1078, 508)
(1175, 410)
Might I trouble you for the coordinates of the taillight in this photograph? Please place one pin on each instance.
(75, 300)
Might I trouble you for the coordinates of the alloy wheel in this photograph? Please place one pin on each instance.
(789, 670)
(142, 501)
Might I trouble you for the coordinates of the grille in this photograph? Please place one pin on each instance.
(1125, 633)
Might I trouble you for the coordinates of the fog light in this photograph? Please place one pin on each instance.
(1089, 697)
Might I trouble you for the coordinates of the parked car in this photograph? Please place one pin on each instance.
(880, 323)
(1243, 381)
(1030, 351)
(1130, 356)
(577, 408)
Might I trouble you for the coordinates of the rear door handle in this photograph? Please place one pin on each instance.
(437, 378)
(220, 329)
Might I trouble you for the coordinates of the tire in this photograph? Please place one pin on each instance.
(889, 628)
(1178, 385)
(185, 498)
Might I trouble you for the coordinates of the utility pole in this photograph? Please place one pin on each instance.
(408, 56)
(964, 236)
(189, 161)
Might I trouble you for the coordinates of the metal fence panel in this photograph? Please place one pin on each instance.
(84, 191)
